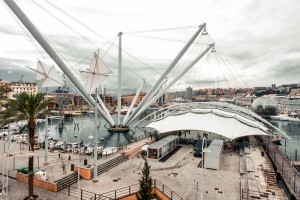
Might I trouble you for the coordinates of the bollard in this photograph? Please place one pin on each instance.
(14, 164)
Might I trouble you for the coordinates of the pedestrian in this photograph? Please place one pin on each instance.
(69, 158)
(59, 156)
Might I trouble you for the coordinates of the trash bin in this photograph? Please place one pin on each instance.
(262, 153)
(85, 161)
(72, 167)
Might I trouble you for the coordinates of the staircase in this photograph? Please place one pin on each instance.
(109, 165)
(72, 178)
(269, 174)
(67, 181)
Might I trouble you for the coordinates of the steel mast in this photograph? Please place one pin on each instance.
(150, 93)
(52, 53)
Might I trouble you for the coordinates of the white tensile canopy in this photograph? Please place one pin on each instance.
(227, 124)
(48, 75)
(95, 75)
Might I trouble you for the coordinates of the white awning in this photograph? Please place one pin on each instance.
(228, 124)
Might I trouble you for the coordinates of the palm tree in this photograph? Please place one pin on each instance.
(27, 107)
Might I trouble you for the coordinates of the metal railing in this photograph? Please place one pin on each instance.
(166, 191)
(123, 192)
(283, 165)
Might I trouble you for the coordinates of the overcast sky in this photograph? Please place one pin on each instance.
(259, 39)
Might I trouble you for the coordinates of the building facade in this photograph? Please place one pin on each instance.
(189, 93)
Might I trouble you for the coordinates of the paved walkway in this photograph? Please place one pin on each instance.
(18, 191)
(179, 173)
(54, 169)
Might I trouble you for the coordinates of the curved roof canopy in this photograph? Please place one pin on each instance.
(228, 124)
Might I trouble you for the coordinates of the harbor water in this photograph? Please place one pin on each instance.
(67, 130)
(292, 129)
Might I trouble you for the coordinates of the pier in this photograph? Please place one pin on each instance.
(283, 165)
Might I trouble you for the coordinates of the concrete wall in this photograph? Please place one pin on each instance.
(85, 172)
(37, 182)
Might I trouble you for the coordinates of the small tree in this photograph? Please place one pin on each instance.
(145, 184)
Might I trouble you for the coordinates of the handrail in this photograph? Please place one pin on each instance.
(123, 192)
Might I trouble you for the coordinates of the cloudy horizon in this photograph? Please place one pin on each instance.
(258, 39)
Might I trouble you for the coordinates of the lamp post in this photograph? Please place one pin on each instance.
(78, 167)
(204, 150)
(30, 154)
(2, 193)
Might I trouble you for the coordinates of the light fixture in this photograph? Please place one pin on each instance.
(204, 32)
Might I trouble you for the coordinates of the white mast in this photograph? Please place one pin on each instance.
(171, 83)
(134, 100)
(104, 107)
(95, 141)
(46, 132)
(51, 52)
(167, 71)
(119, 77)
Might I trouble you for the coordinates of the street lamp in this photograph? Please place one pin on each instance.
(78, 168)
(92, 138)
(204, 150)
(29, 154)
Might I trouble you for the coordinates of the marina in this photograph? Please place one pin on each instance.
(119, 118)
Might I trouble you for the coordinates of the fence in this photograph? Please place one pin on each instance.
(283, 165)
(122, 192)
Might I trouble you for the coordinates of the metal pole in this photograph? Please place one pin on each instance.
(9, 136)
(79, 163)
(3, 170)
(202, 171)
(7, 166)
(52, 53)
(103, 107)
(296, 155)
(134, 100)
(119, 77)
(95, 141)
(46, 131)
(171, 83)
(167, 71)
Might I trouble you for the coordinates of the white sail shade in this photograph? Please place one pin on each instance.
(92, 80)
(95, 75)
(227, 124)
(48, 75)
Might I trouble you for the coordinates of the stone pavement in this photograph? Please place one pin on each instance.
(18, 191)
(54, 169)
(180, 173)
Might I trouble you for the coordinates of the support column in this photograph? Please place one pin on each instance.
(55, 56)
(95, 180)
(119, 77)
(46, 132)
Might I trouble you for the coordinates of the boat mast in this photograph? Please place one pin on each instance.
(52, 53)
(150, 93)
(119, 77)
